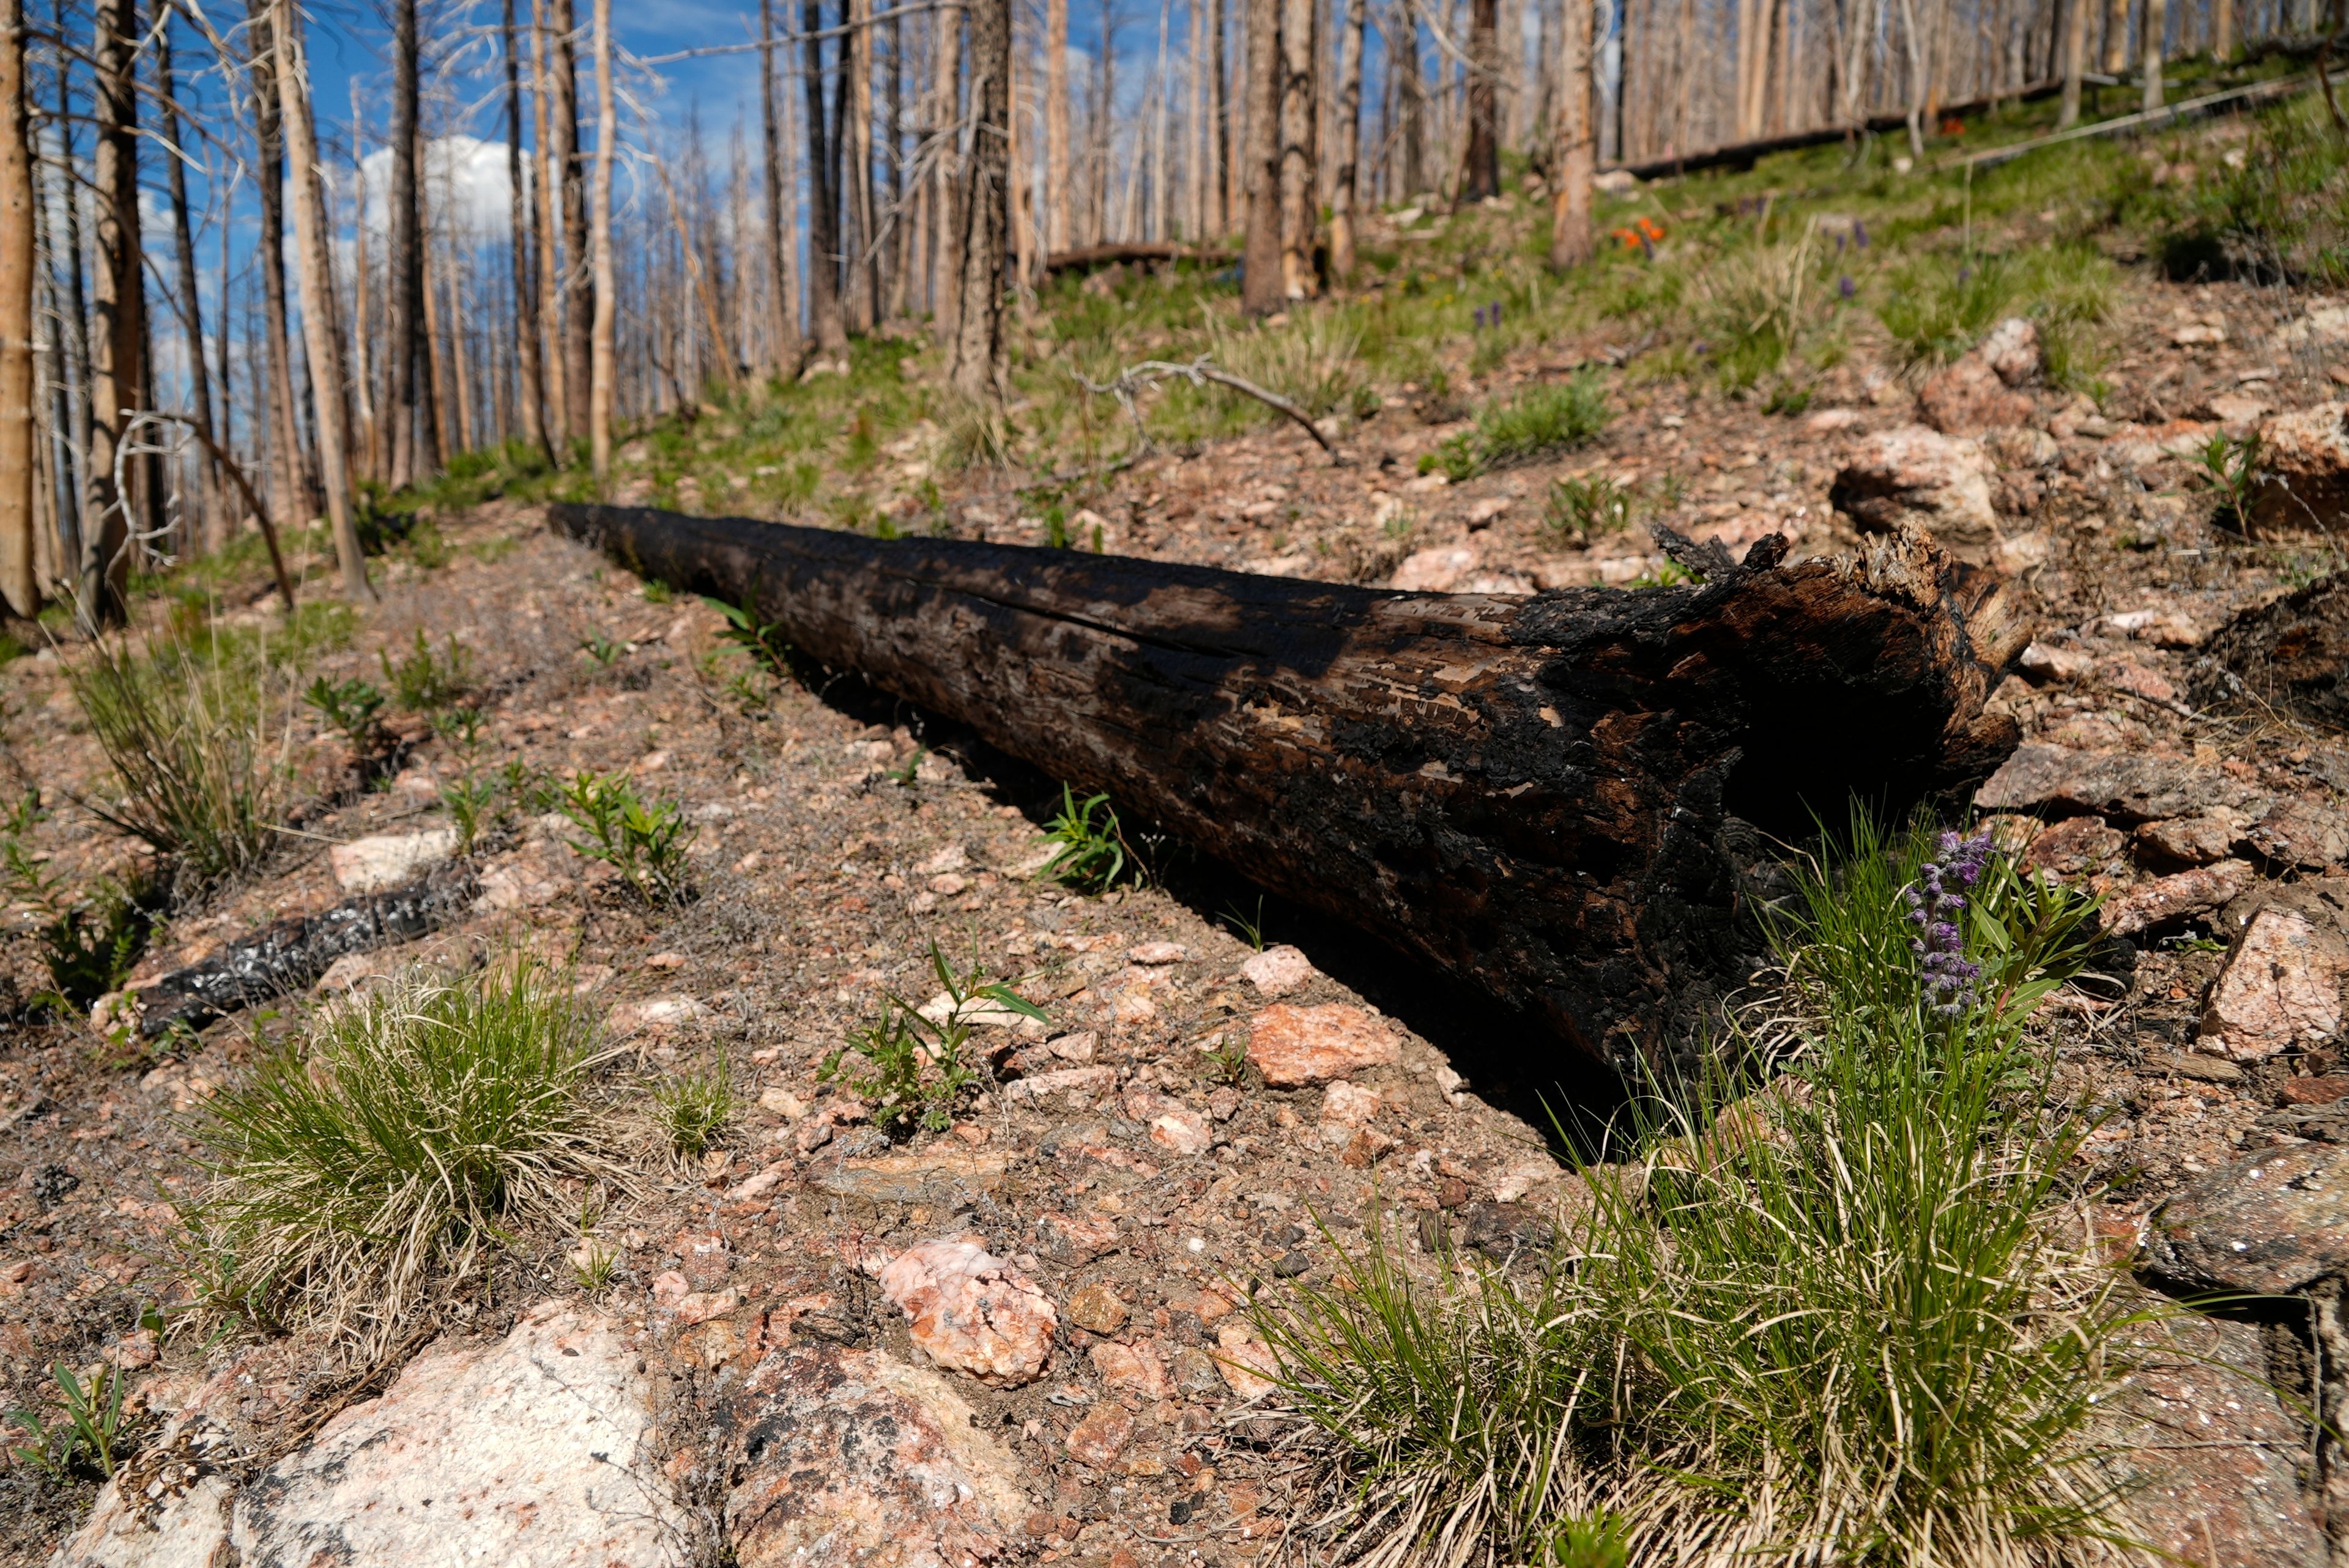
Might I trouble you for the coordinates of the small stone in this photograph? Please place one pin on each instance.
(1294, 1046)
(1132, 1368)
(1154, 955)
(1073, 1239)
(2280, 987)
(1523, 1178)
(1481, 513)
(1097, 1308)
(1195, 1371)
(2124, 787)
(1290, 1264)
(1181, 1131)
(972, 1312)
(2077, 844)
(2011, 349)
(2195, 840)
(1346, 1105)
(1247, 1363)
(2055, 662)
(783, 1102)
(837, 1457)
(811, 1134)
(2304, 461)
(1102, 1436)
(389, 859)
(1916, 475)
(953, 858)
(1278, 971)
(1435, 571)
(2139, 681)
(1968, 397)
(1223, 1103)
(759, 1185)
(2329, 1090)
(2200, 1069)
(2179, 897)
(1076, 1083)
(2300, 833)
(2270, 1224)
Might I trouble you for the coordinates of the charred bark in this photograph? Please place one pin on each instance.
(287, 958)
(1541, 795)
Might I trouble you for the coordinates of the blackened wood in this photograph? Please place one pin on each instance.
(289, 956)
(1535, 794)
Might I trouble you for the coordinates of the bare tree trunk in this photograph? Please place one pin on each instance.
(856, 150)
(579, 303)
(561, 428)
(601, 365)
(2116, 37)
(530, 394)
(411, 400)
(1343, 194)
(2075, 47)
(1218, 174)
(190, 303)
(366, 442)
(291, 495)
(1260, 291)
(20, 586)
(2156, 24)
(117, 372)
(1480, 173)
(1577, 146)
(73, 476)
(2222, 29)
(823, 189)
(1300, 160)
(1057, 234)
(313, 244)
(1411, 88)
(447, 441)
(978, 368)
(781, 178)
(946, 260)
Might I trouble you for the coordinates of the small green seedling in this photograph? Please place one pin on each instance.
(645, 844)
(426, 682)
(1093, 852)
(695, 1108)
(602, 650)
(914, 1070)
(352, 706)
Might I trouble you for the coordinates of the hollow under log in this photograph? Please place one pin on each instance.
(1543, 796)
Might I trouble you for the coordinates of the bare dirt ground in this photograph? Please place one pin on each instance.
(1119, 1159)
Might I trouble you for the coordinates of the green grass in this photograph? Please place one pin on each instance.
(197, 742)
(696, 1107)
(911, 1071)
(1542, 419)
(1826, 1321)
(387, 1150)
(1093, 853)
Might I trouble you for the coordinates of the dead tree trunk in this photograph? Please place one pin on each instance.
(977, 369)
(1543, 797)
(20, 588)
(117, 369)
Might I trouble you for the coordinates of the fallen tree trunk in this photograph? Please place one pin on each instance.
(1538, 795)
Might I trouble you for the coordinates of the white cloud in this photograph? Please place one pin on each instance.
(465, 184)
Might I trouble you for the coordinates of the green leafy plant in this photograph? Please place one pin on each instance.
(764, 640)
(469, 803)
(2231, 468)
(391, 1146)
(93, 1425)
(1665, 575)
(913, 1069)
(426, 682)
(696, 1107)
(909, 772)
(1093, 852)
(1582, 508)
(602, 650)
(1820, 1316)
(645, 842)
(87, 943)
(1226, 1058)
(1248, 931)
(353, 706)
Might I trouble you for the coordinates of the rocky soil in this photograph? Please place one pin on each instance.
(1015, 1339)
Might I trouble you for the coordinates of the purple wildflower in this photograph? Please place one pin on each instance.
(1845, 287)
(1859, 234)
(1480, 319)
(1494, 311)
(1965, 275)
(1936, 902)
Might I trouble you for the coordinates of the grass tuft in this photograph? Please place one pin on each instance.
(1831, 1321)
(389, 1149)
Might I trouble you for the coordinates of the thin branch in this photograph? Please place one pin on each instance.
(1198, 372)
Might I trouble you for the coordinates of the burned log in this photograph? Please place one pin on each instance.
(289, 955)
(1538, 795)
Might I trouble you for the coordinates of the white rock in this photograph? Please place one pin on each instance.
(1433, 570)
(1916, 475)
(389, 859)
(1345, 1104)
(972, 1312)
(2281, 988)
(1278, 971)
(534, 1449)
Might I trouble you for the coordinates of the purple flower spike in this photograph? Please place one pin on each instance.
(1859, 234)
(1845, 287)
(1935, 901)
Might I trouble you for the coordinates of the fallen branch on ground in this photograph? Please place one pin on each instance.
(1198, 372)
